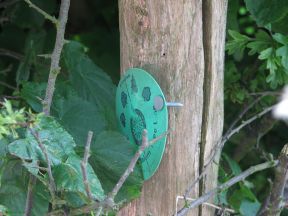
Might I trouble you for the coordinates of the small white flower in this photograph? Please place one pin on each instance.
(281, 109)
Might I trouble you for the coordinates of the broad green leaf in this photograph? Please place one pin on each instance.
(13, 191)
(249, 208)
(59, 144)
(90, 82)
(68, 177)
(33, 93)
(111, 154)
(267, 11)
(76, 115)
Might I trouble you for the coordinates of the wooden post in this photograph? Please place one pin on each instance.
(183, 49)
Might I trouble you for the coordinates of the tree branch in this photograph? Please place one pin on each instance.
(55, 57)
(226, 185)
(42, 12)
(84, 165)
(275, 200)
(51, 185)
(221, 143)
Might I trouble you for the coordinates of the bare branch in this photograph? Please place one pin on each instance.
(220, 145)
(7, 85)
(42, 12)
(55, 57)
(226, 185)
(84, 165)
(275, 200)
(12, 54)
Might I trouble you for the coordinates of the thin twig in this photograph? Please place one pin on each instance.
(204, 203)
(45, 14)
(29, 197)
(226, 185)
(6, 70)
(84, 165)
(55, 57)
(12, 54)
(220, 145)
(7, 3)
(7, 85)
(52, 186)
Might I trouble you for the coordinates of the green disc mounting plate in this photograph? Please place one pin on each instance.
(137, 96)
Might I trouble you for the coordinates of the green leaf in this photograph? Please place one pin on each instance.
(283, 53)
(267, 11)
(111, 154)
(76, 115)
(237, 43)
(68, 177)
(13, 191)
(236, 170)
(249, 208)
(59, 144)
(90, 82)
(280, 38)
(262, 41)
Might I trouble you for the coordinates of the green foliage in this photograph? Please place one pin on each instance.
(10, 120)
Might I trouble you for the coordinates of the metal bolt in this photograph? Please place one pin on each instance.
(159, 103)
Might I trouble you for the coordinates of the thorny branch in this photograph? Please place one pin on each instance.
(84, 165)
(54, 70)
(226, 185)
(55, 57)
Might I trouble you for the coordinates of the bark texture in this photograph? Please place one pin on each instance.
(165, 37)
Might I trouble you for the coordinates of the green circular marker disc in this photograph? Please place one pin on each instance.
(140, 104)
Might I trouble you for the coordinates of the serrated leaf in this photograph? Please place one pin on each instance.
(76, 115)
(68, 177)
(90, 82)
(237, 43)
(111, 154)
(59, 144)
(265, 54)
